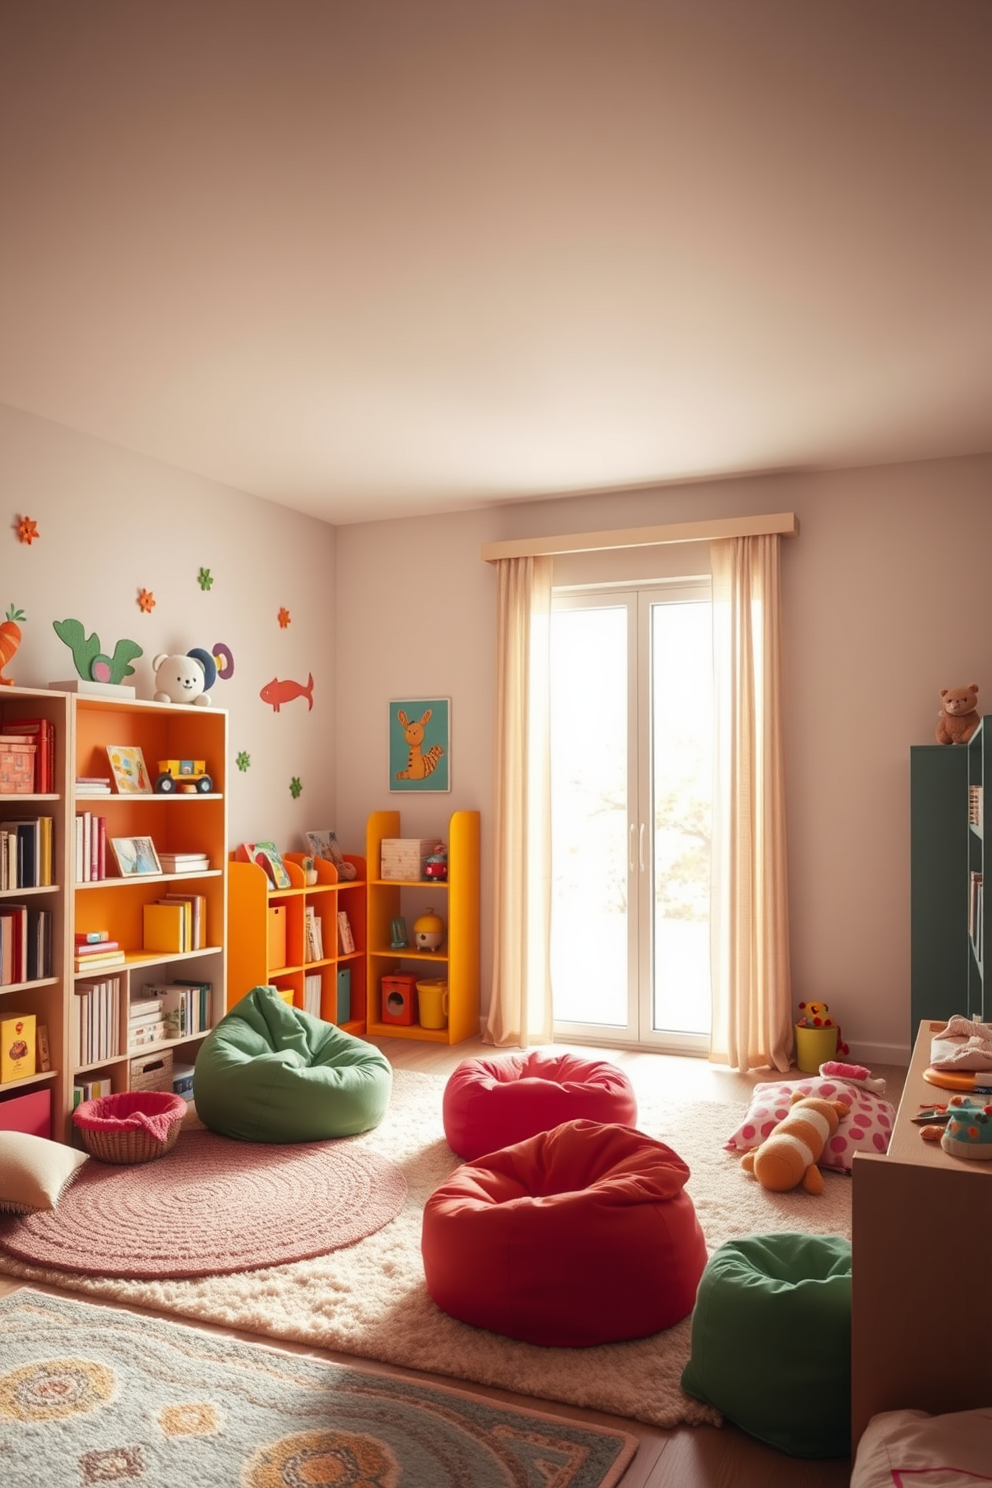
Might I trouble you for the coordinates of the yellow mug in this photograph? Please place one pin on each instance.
(432, 1002)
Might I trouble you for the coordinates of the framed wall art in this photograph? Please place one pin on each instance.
(420, 744)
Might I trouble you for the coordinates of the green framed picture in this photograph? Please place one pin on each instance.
(420, 744)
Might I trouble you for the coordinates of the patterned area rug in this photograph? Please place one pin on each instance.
(370, 1299)
(95, 1395)
(211, 1206)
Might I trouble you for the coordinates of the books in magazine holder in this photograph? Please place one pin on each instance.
(324, 844)
(269, 859)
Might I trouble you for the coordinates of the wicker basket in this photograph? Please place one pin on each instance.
(112, 1129)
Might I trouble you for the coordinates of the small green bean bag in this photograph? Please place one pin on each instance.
(771, 1340)
(272, 1073)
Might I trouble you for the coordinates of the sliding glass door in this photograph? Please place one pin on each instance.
(631, 766)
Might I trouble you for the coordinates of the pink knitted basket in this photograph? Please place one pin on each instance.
(132, 1127)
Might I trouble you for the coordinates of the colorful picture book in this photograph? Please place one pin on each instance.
(130, 772)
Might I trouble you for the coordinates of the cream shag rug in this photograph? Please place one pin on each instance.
(370, 1299)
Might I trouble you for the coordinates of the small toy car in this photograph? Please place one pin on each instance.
(189, 776)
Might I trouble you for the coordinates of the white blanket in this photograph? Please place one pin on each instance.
(964, 1044)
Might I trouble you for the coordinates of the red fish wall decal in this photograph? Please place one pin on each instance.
(277, 693)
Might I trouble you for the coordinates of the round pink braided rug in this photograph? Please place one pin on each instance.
(210, 1206)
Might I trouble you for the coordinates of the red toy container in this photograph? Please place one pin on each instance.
(399, 998)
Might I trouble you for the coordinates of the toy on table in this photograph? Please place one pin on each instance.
(958, 717)
(816, 1015)
(788, 1156)
(967, 1129)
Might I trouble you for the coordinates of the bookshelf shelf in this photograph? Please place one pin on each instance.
(83, 725)
(266, 918)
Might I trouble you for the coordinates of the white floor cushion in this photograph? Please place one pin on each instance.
(909, 1447)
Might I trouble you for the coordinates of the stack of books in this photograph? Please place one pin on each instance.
(184, 862)
(90, 847)
(94, 950)
(93, 785)
(176, 922)
(146, 1021)
(25, 943)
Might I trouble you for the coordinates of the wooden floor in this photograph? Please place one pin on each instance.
(689, 1457)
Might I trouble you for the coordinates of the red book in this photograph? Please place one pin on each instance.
(96, 948)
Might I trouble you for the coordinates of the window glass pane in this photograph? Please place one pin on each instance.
(589, 949)
(681, 808)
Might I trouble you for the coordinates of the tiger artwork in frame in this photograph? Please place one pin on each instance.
(420, 744)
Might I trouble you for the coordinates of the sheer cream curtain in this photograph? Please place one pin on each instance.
(752, 988)
(520, 1001)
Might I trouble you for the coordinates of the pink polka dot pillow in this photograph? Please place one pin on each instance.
(867, 1129)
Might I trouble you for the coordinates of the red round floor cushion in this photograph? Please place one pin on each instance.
(492, 1103)
(578, 1236)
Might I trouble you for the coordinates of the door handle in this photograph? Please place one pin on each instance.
(630, 848)
(640, 847)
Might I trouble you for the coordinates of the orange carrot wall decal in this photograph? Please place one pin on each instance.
(10, 639)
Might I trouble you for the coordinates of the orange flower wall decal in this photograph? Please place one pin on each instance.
(284, 617)
(146, 601)
(27, 530)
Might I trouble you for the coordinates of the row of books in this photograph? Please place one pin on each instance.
(175, 922)
(26, 853)
(41, 731)
(169, 1010)
(311, 994)
(975, 805)
(91, 1090)
(90, 847)
(25, 944)
(95, 1032)
(313, 929)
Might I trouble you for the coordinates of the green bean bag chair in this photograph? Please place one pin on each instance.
(771, 1340)
(272, 1073)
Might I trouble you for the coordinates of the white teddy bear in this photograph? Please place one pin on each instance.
(184, 679)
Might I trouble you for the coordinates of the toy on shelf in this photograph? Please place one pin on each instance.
(10, 639)
(186, 777)
(788, 1156)
(185, 679)
(436, 863)
(90, 661)
(958, 717)
(428, 931)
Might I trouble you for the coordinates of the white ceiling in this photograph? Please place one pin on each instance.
(371, 258)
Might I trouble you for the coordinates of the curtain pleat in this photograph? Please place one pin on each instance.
(752, 986)
(520, 1000)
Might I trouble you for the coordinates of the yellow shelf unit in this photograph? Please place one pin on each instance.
(455, 899)
(254, 958)
(84, 726)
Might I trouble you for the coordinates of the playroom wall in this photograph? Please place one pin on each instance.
(887, 600)
(112, 523)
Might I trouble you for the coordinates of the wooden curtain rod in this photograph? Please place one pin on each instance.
(785, 523)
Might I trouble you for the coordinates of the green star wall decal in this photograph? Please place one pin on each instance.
(295, 787)
(242, 760)
(205, 578)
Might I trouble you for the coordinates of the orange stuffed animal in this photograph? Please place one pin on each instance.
(789, 1155)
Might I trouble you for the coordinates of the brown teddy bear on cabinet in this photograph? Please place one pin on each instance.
(958, 718)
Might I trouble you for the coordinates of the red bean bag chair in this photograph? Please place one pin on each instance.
(492, 1103)
(578, 1236)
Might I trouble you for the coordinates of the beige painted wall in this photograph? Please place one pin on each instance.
(887, 600)
(112, 523)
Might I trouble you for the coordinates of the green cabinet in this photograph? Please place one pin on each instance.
(946, 900)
